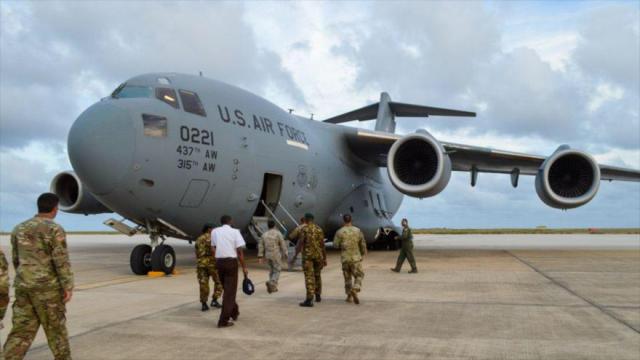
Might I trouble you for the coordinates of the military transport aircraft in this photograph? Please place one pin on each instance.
(170, 152)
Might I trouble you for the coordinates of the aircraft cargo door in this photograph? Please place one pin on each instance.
(271, 189)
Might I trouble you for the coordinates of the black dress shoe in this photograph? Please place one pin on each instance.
(204, 306)
(318, 298)
(225, 325)
(307, 303)
(235, 316)
(215, 304)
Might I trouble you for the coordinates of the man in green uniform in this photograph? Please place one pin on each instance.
(43, 282)
(314, 258)
(206, 269)
(4, 290)
(272, 247)
(406, 250)
(351, 241)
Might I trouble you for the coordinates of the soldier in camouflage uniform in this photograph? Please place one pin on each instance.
(43, 282)
(314, 258)
(351, 241)
(406, 250)
(4, 290)
(272, 247)
(206, 269)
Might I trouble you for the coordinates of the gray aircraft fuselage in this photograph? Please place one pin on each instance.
(191, 169)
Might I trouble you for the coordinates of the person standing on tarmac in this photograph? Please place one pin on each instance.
(350, 240)
(406, 250)
(272, 247)
(228, 245)
(43, 282)
(314, 258)
(206, 268)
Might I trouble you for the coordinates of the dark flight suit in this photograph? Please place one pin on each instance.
(406, 250)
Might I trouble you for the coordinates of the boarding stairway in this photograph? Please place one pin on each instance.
(258, 226)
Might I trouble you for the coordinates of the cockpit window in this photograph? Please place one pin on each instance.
(131, 91)
(167, 95)
(154, 125)
(191, 102)
(164, 81)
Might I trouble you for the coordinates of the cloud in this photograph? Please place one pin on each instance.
(609, 45)
(58, 58)
(539, 74)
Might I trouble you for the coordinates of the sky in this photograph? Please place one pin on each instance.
(539, 74)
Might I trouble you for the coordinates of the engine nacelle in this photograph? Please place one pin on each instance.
(568, 179)
(418, 166)
(74, 197)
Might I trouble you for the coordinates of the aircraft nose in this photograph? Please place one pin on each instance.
(101, 146)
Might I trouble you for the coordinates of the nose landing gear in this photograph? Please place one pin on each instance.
(154, 257)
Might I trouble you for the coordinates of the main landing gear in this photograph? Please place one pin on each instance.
(154, 257)
(385, 239)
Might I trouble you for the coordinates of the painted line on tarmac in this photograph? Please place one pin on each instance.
(603, 309)
(124, 280)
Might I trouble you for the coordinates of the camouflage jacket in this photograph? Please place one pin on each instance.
(295, 234)
(4, 285)
(40, 257)
(312, 239)
(204, 255)
(272, 245)
(407, 235)
(351, 241)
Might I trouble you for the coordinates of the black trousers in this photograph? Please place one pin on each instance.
(228, 273)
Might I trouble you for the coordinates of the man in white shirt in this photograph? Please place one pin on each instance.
(227, 244)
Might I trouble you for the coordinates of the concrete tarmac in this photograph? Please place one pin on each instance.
(475, 297)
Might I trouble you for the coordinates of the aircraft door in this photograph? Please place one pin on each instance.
(270, 195)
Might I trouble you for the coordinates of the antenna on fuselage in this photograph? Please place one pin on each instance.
(290, 111)
(311, 116)
(200, 73)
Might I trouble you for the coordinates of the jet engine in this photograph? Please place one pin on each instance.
(418, 166)
(568, 179)
(74, 197)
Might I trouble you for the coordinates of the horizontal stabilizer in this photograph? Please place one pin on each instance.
(370, 112)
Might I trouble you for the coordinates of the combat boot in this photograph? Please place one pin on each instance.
(204, 306)
(349, 298)
(318, 298)
(413, 271)
(354, 295)
(307, 303)
(269, 287)
(215, 304)
(395, 270)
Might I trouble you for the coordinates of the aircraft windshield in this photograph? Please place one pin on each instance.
(132, 91)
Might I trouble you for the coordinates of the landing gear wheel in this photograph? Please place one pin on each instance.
(163, 259)
(140, 259)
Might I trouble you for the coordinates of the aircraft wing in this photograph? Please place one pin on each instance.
(373, 146)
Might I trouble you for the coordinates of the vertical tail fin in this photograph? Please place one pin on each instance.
(386, 120)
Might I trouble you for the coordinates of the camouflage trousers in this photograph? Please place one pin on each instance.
(312, 279)
(274, 271)
(30, 310)
(353, 276)
(204, 273)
